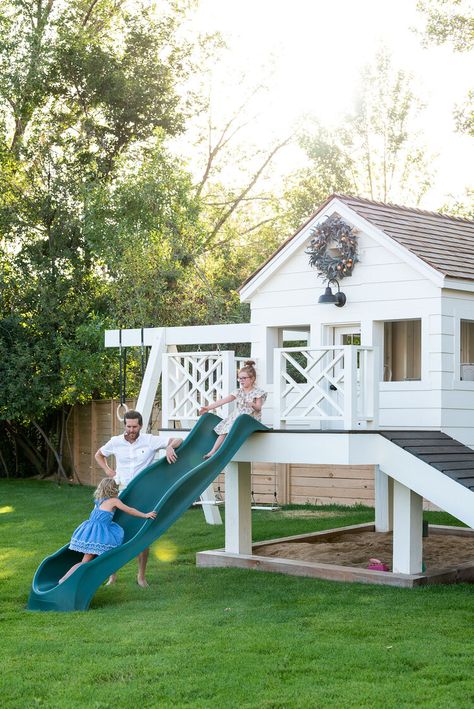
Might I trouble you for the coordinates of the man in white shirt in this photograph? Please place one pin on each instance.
(134, 451)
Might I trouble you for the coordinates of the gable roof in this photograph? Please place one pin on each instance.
(445, 243)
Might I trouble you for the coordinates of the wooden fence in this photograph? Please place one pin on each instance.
(91, 425)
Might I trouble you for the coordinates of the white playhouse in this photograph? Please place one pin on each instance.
(362, 328)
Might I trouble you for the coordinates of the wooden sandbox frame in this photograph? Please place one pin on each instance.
(455, 574)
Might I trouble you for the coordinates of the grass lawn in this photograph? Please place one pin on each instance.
(221, 637)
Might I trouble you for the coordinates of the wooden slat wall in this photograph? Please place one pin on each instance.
(310, 484)
(91, 425)
(326, 484)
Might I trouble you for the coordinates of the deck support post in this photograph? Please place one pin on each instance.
(238, 509)
(407, 530)
(383, 501)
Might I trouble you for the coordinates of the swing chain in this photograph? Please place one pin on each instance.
(122, 408)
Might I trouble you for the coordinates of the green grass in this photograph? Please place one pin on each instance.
(222, 637)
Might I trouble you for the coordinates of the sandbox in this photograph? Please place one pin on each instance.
(343, 554)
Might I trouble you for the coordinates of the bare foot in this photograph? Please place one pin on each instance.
(208, 455)
(112, 580)
(142, 582)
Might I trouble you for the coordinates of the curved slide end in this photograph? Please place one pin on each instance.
(169, 489)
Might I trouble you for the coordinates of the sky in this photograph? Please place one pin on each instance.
(316, 49)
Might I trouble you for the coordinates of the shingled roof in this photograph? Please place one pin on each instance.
(445, 243)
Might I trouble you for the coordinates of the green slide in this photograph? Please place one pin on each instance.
(169, 489)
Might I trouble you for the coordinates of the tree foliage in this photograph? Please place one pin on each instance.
(449, 21)
(452, 22)
(375, 151)
(87, 89)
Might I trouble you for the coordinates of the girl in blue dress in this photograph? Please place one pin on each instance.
(99, 533)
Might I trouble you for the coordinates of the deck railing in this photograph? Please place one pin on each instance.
(325, 386)
(194, 379)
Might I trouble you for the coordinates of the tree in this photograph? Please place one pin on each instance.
(452, 22)
(449, 21)
(374, 152)
(86, 90)
(240, 208)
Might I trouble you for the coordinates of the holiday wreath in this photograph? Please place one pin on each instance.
(333, 232)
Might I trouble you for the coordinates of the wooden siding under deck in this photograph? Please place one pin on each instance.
(309, 484)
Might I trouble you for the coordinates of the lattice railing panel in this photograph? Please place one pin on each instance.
(324, 384)
(192, 380)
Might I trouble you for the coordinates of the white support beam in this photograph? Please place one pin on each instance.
(192, 335)
(383, 501)
(151, 378)
(407, 530)
(238, 509)
(209, 506)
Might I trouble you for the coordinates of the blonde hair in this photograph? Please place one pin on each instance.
(249, 368)
(106, 488)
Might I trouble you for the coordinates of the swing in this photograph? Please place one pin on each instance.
(274, 506)
(218, 499)
(122, 408)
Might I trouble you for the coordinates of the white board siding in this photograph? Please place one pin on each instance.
(441, 361)
(399, 297)
(414, 397)
(457, 401)
(382, 287)
(442, 324)
(412, 419)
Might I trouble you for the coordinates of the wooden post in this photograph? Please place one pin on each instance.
(238, 510)
(282, 472)
(76, 443)
(93, 442)
(383, 484)
(350, 387)
(277, 390)
(407, 530)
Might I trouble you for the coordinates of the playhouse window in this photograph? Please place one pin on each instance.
(402, 350)
(467, 350)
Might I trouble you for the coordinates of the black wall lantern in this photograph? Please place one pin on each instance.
(338, 299)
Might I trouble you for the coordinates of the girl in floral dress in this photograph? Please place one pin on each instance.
(249, 399)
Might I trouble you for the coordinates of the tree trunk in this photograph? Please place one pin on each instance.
(61, 471)
(28, 449)
(4, 463)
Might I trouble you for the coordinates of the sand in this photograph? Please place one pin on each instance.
(440, 551)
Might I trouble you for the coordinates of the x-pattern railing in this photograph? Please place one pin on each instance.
(193, 379)
(325, 384)
(314, 387)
